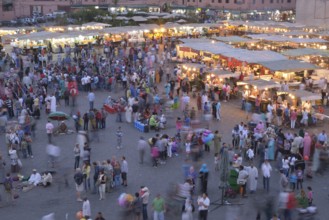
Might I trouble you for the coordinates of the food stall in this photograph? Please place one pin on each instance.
(291, 71)
(318, 57)
(265, 89)
(300, 99)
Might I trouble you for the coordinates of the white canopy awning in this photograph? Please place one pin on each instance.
(305, 95)
(306, 51)
(261, 84)
(235, 39)
(222, 73)
(288, 65)
(138, 19)
(279, 38)
(43, 35)
(96, 24)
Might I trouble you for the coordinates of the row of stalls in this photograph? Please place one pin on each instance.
(264, 73)
(88, 33)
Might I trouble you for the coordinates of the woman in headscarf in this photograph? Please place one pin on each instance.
(307, 145)
(188, 209)
(203, 175)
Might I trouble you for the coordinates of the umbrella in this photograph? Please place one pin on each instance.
(58, 116)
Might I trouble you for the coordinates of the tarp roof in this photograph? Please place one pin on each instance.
(288, 65)
(171, 25)
(278, 38)
(149, 26)
(93, 24)
(250, 56)
(235, 39)
(305, 51)
(35, 36)
(223, 73)
(262, 84)
(306, 95)
(138, 19)
(229, 51)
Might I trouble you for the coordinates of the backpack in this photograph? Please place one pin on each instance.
(78, 178)
(7, 185)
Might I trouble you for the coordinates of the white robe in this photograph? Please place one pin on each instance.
(129, 111)
(52, 104)
(86, 210)
(252, 179)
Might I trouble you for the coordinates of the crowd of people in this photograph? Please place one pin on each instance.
(33, 86)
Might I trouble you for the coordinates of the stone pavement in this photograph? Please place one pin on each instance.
(62, 201)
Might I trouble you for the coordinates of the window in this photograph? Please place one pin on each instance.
(213, 1)
(200, 0)
(277, 1)
(219, 1)
(7, 7)
(271, 1)
(227, 1)
(262, 1)
(288, 1)
(254, 1)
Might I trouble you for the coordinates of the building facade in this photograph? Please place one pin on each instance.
(11, 9)
(313, 12)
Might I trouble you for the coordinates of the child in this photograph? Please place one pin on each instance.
(300, 177)
(250, 154)
(310, 196)
(293, 180)
(216, 161)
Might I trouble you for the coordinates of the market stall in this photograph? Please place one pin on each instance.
(259, 89)
(291, 71)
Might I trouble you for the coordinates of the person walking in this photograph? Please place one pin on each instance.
(141, 147)
(159, 207)
(145, 194)
(78, 179)
(86, 210)
(49, 130)
(266, 170)
(91, 99)
(8, 188)
(124, 171)
(203, 203)
(119, 135)
(76, 151)
(242, 180)
(203, 175)
(188, 209)
(138, 206)
(252, 177)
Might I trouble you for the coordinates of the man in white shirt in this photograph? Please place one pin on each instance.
(49, 130)
(35, 178)
(203, 203)
(266, 170)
